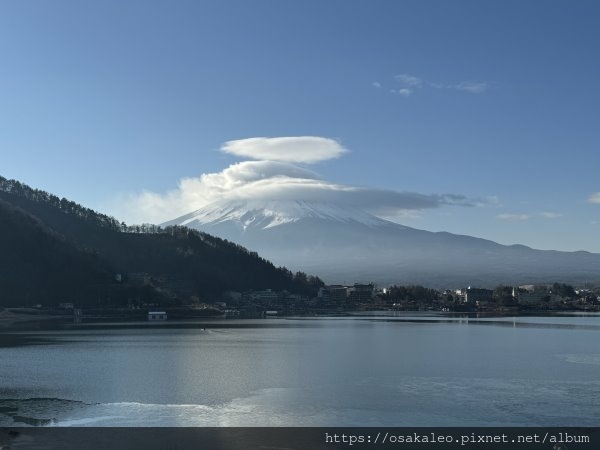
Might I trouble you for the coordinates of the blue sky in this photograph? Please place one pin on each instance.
(497, 102)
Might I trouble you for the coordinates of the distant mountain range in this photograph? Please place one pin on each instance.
(53, 250)
(345, 244)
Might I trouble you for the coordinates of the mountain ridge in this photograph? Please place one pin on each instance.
(351, 244)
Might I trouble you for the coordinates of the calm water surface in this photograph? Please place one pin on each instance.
(377, 370)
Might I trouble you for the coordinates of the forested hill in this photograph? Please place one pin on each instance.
(53, 250)
(37, 266)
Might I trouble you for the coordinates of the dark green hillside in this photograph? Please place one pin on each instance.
(44, 238)
(38, 266)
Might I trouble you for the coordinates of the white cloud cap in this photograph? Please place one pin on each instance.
(273, 180)
(296, 149)
(275, 177)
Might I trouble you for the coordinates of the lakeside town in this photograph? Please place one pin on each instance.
(367, 297)
(332, 299)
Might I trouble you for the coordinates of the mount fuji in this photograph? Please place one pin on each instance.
(343, 244)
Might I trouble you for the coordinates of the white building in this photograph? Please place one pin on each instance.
(157, 315)
(265, 296)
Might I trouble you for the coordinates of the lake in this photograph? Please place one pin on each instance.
(380, 369)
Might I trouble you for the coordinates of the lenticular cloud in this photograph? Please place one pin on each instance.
(298, 149)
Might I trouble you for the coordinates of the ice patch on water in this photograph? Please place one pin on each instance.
(441, 402)
(88, 421)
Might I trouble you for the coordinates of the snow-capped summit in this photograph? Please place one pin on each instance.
(264, 214)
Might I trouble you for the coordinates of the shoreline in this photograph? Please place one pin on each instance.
(10, 318)
(33, 320)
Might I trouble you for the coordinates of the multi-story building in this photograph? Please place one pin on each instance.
(335, 294)
(476, 295)
(361, 293)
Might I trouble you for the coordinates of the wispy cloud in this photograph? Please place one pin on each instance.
(436, 85)
(551, 215)
(594, 198)
(376, 84)
(491, 200)
(522, 217)
(402, 215)
(279, 180)
(513, 217)
(410, 82)
(405, 92)
(474, 87)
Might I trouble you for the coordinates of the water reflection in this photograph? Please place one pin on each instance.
(373, 369)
